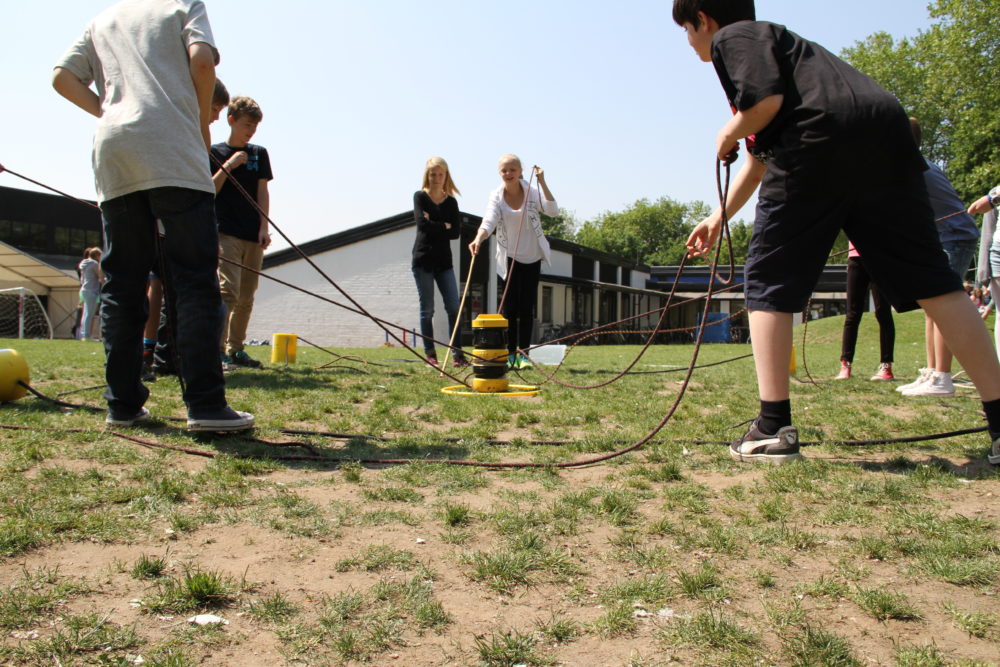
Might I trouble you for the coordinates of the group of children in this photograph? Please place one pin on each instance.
(830, 150)
(153, 66)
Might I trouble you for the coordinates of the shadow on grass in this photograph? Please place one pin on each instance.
(970, 469)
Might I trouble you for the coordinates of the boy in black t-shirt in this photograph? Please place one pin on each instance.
(830, 150)
(243, 230)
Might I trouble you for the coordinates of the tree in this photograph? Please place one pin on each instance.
(645, 232)
(944, 76)
(562, 226)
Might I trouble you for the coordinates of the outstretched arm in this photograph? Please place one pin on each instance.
(706, 233)
(985, 203)
(69, 86)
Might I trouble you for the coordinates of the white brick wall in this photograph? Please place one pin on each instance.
(375, 272)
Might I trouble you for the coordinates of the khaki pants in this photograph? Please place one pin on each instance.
(238, 287)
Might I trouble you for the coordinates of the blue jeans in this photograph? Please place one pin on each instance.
(445, 280)
(190, 252)
(90, 308)
(960, 254)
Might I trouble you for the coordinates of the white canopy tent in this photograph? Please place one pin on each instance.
(19, 269)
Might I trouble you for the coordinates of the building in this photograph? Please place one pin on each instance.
(580, 289)
(829, 298)
(42, 238)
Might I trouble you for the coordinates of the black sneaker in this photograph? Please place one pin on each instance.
(755, 445)
(241, 358)
(218, 421)
(994, 456)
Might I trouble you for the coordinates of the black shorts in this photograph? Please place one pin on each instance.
(890, 223)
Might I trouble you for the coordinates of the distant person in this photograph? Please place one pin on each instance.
(959, 238)
(859, 284)
(243, 230)
(435, 212)
(514, 212)
(831, 151)
(89, 270)
(153, 65)
(989, 252)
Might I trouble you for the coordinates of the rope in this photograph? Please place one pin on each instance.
(50, 188)
(461, 308)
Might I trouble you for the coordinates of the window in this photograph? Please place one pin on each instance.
(546, 304)
(62, 245)
(583, 304)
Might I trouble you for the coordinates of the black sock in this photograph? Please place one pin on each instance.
(992, 410)
(774, 415)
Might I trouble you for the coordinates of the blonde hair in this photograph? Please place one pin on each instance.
(93, 253)
(449, 185)
(509, 157)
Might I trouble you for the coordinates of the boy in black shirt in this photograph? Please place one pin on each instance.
(830, 150)
(243, 231)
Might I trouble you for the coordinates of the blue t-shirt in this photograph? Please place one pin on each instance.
(945, 202)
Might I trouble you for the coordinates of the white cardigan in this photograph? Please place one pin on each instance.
(507, 230)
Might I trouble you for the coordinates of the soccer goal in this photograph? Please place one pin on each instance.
(22, 315)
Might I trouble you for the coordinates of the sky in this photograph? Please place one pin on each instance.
(607, 97)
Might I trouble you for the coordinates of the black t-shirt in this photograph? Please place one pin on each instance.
(432, 247)
(238, 217)
(836, 129)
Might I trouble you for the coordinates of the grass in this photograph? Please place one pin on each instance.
(196, 589)
(149, 567)
(379, 557)
(884, 605)
(508, 648)
(673, 554)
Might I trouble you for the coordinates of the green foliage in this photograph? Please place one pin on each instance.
(562, 226)
(645, 232)
(942, 76)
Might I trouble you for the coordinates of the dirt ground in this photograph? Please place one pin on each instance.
(305, 570)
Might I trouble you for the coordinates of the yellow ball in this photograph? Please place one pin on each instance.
(13, 367)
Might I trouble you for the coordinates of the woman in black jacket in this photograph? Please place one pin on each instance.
(435, 211)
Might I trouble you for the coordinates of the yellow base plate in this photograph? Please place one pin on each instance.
(513, 391)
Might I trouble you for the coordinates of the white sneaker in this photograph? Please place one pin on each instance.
(939, 384)
(925, 374)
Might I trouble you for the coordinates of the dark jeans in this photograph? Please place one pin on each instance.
(445, 280)
(519, 308)
(190, 251)
(858, 283)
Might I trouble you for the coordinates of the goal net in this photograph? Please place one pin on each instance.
(22, 315)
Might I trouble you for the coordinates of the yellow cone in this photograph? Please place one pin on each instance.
(284, 347)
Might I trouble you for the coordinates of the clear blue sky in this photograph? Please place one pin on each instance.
(608, 97)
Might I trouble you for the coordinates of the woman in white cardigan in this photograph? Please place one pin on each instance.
(514, 212)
